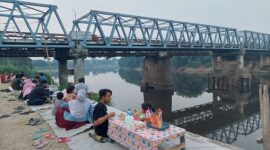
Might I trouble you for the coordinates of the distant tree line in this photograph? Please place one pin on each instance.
(16, 65)
(183, 61)
(88, 63)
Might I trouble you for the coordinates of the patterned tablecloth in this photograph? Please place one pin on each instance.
(142, 139)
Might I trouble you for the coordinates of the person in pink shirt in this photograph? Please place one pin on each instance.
(28, 86)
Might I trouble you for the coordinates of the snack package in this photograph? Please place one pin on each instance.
(148, 116)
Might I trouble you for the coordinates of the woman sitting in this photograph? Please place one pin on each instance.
(75, 113)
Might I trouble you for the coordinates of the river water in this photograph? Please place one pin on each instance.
(233, 119)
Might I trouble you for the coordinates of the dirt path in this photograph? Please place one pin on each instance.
(14, 134)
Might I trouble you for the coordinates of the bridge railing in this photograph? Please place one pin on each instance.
(26, 24)
(254, 40)
(106, 29)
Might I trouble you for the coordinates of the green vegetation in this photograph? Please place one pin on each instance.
(189, 85)
(132, 62)
(17, 65)
(186, 85)
(88, 63)
(191, 61)
(176, 62)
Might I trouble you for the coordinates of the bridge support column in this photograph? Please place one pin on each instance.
(157, 72)
(222, 61)
(63, 73)
(156, 84)
(78, 66)
(265, 60)
(265, 114)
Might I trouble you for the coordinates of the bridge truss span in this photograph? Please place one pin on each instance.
(31, 25)
(113, 30)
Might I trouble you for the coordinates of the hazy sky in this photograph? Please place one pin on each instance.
(241, 14)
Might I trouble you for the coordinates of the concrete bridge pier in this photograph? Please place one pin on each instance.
(227, 61)
(63, 72)
(62, 57)
(156, 84)
(78, 65)
(157, 72)
(265, 61)
(265, 113)
(78, 54)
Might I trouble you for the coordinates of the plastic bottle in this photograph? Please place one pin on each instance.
(129, 118)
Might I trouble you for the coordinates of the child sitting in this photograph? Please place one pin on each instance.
(57, 103)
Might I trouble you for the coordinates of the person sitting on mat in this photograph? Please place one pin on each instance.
(70, 93)
(39, 94)
(100, 115)
(80, 110)
(57, 103)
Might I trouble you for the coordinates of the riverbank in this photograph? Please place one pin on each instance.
(15, 135)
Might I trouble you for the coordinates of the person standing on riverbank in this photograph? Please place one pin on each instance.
(81, 85)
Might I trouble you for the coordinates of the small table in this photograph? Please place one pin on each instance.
(145, 138)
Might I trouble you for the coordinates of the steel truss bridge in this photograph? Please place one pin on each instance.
(29, 29)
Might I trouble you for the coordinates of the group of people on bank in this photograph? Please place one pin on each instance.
(74, 109)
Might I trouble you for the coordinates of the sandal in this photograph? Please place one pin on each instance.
(37, 136)
(27, 112)
(36, 142)
(42, 144)
(19, 108)
(49, 136)
(34, 122)
(100, 139)
(40, 130)
(63, 140)
(4, 116)
(16, 111)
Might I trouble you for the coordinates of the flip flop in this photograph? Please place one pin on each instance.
(16, 111)
(19, 108)
(36, 136)
(49, 136)
(36, 142)
(4, 116)
(27, 112)
(11, 100)
(40, 130)
(42, 144)
(63, 140)
(34, 122)
(100, 139)
(30, 121)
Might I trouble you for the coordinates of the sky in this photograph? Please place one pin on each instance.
(251, 15)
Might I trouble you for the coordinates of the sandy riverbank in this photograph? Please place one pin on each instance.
(14, 134)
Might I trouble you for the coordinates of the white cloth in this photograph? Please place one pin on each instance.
(79, 107)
